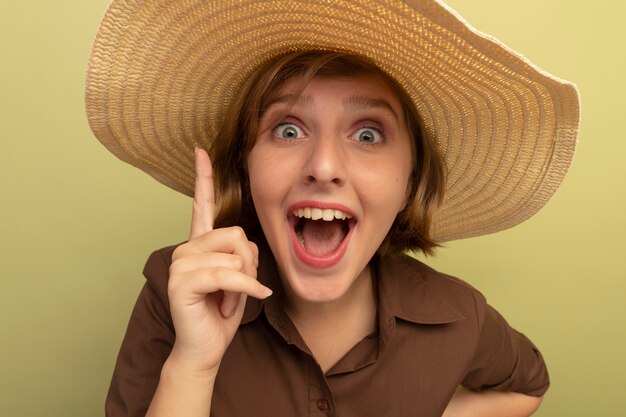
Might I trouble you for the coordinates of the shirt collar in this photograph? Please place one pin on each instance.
(406, 289)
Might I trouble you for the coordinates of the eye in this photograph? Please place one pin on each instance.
(288, 131)
(368, 136)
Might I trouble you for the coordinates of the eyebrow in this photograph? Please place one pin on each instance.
(358, 102)
(302, 100)
(355, 101)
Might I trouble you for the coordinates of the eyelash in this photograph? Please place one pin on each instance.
(378, 129)
(300, 133)
(286, 124)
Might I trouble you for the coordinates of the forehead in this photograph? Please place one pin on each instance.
(355, 91)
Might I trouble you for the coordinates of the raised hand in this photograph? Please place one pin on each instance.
(210, 277)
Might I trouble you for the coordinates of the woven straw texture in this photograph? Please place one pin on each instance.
(162, 73)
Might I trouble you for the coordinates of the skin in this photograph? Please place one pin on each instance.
(349, 151)
(210, 277)
(213, 273)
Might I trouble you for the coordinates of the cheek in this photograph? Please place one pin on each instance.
(390, 186)
(405, 174)
(256, 178)
(268, 176)
(385, 192)
(400, 191)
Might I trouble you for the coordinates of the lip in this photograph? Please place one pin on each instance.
(319, 262)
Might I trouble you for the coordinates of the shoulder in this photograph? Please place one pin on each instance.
(496, 356)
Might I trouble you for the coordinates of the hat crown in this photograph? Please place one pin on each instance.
(163, 72)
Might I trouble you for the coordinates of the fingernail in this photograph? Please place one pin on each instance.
(230, 313)
(267, 292)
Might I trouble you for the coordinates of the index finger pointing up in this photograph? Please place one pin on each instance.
(203, 210)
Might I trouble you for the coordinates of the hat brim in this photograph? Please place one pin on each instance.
(163, 72)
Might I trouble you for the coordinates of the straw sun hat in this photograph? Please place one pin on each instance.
(162, 73)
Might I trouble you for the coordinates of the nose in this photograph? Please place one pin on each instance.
(325, 162)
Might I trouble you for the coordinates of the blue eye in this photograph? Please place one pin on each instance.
(368, 136)
(288, 131)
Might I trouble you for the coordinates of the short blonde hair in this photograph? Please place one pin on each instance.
(229, 152)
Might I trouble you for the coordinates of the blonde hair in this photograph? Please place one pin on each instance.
(229, 152)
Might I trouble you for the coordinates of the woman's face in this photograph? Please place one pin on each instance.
(328, 175)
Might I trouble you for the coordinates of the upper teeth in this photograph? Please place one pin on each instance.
(317, 214)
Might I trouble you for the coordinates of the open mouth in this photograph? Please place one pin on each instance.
(321, 234)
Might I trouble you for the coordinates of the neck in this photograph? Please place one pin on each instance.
(331, 329)
(358, 299)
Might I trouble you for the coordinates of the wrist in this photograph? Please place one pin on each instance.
(182, 390)
(180, 369)
(491, 403)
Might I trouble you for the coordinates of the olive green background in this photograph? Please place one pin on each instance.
(77, 224)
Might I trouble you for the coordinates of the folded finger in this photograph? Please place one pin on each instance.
(230, 302)
(200, 260)
(206, 281)
(232, 240)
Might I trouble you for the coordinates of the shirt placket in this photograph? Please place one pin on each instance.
(321, 402)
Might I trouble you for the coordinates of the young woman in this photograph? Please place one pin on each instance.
(292, 295)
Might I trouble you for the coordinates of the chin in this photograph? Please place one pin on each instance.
(318, 292)
(321, 286)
